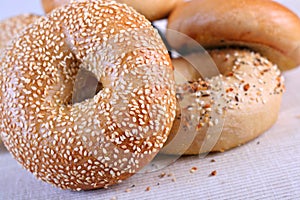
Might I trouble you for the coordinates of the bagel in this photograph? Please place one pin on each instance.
(50, 5)
(151, 9)
(13, 26)
(98, 141)
(264, 26)
(251, 93)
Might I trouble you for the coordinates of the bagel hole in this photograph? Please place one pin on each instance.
(86, 86)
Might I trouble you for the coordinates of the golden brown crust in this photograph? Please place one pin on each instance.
(13, 26)
(151, 9)
(262, 25)
(243, 107)
(104, 139)
(50, 5)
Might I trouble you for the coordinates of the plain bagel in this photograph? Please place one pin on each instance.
(151, 9)
(261, 25)
(102, 140)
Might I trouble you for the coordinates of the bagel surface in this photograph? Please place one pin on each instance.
(13, 26)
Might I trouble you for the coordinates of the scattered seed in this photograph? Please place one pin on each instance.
(193, 169)
(127, 190)
(213, 173)
(163, 174)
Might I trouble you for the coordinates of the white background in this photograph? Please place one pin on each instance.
(268, 170)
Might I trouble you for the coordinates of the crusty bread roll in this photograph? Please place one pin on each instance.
(262, 25)
(151, 9)
(220, 117)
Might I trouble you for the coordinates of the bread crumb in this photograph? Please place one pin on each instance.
(148, 189)
(127, 190)
(213, 173)
(163, 174)
(212, 160)
(193, 169)
(170, 174)
(174, 179)
(113, 198)
(246, 87)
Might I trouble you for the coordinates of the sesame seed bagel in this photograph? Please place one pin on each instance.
(151, 9)
(13, 26)
(261, 25)
(226, 115)
(101, 140)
